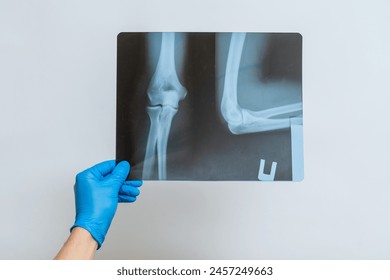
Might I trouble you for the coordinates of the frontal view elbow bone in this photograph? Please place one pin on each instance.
(164, 92)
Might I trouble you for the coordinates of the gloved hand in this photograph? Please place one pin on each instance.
(97, 193)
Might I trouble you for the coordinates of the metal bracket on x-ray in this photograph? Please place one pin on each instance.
(266, 177)
(297, 148)
(296, 154)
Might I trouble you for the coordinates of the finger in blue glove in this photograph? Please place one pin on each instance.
(129, 191)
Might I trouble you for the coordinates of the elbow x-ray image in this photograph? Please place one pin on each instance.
(210, 106)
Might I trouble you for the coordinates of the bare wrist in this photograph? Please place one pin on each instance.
(79, 246)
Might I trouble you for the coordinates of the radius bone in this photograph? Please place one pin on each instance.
(166, 117)
(154, 116)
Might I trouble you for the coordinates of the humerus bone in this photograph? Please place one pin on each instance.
(165, 88)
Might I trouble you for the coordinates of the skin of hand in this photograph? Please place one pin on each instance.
(79, 246)
(97, 193)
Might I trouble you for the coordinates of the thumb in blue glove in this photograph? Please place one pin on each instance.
(97, 193)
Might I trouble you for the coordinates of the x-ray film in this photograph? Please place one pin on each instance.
(210, 106)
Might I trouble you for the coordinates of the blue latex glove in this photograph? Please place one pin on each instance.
(97, 193)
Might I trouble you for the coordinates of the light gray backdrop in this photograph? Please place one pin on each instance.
(57, 117)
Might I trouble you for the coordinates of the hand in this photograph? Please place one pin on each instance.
(97, 193)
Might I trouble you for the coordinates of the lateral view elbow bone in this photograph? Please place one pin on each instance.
(164, 92)
(241, 120)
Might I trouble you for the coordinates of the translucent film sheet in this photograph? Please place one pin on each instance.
(210, 106)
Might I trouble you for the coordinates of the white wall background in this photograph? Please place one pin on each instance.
(57, 117)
